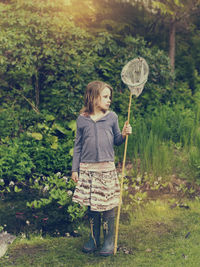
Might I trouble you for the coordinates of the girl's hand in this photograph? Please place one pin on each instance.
(127, 129)
(75, 176)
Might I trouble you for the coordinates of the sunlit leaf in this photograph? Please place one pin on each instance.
(17, 189)
(60, 128)
(72, 125)
(37, 136)
(49, 117)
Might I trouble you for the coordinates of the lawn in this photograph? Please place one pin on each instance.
(158, 233)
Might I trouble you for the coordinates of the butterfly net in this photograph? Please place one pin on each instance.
(135, 74)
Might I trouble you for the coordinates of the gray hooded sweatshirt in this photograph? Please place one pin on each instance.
(95, 140)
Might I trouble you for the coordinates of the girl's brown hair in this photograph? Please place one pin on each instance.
(92, 93)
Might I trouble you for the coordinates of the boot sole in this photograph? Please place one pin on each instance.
(106, 254)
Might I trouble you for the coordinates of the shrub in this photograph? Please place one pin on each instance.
(53, 210)
(31, 166)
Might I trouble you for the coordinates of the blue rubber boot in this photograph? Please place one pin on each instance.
(94, 239)
(108, 232)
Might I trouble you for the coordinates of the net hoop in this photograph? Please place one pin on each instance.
(135, 74)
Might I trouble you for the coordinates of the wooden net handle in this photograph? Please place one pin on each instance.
(122, 180)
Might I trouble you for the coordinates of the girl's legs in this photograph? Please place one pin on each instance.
(95, 224)
(108, 232)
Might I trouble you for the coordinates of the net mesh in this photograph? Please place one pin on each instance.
(135, 74)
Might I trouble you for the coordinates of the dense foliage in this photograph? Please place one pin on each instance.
(47, 57)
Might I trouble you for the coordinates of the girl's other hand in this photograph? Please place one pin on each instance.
(127, 129)
(75, 176)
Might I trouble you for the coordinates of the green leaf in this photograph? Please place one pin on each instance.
(37, 136)
(60, 128)
(54, 146)
(71, 152)
(17, 189)
(8, 189)
(72, 125)
(49, 117)
(43, 126)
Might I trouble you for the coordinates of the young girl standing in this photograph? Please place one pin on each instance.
(93, 167)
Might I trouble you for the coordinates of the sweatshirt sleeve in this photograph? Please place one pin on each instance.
(118, 138)
(77, 148)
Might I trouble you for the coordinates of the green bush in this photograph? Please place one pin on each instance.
(53, 210)
(42, 152)
(31, 166)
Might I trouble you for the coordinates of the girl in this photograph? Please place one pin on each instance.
(93, 167)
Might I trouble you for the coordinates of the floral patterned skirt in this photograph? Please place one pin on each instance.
(98, 189)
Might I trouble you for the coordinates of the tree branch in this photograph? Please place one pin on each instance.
(25, 98)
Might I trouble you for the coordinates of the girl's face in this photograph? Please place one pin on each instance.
(104, 100)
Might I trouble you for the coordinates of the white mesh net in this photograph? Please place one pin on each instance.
(135, 74)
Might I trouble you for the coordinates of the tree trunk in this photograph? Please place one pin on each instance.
(172, 44)
(37, 92)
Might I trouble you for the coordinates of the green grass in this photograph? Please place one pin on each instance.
(159, 135)
(153, 235)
